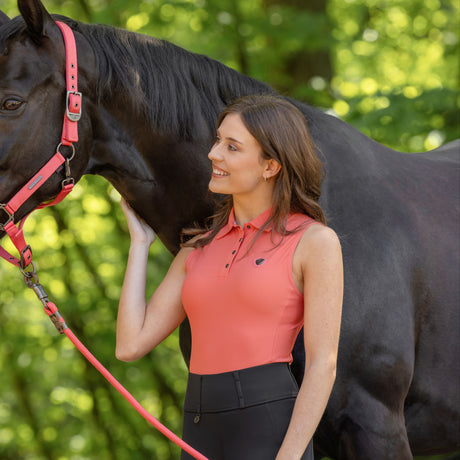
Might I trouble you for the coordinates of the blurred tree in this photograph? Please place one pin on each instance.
(389, 68)
(396, 73)
(306, 64)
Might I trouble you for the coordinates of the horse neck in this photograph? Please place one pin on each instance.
(164, 193)
(155, 124)
(145, 143)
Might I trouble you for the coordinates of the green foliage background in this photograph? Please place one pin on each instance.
(389, 67)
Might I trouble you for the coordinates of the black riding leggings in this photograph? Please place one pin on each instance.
(241, 415)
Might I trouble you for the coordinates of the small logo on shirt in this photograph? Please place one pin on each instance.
(259, 262)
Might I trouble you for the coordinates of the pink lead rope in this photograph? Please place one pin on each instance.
(51, 310)
(69, 136)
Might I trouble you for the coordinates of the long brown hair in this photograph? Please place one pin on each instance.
(282, 132)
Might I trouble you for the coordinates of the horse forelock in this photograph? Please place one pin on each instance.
(171, 87)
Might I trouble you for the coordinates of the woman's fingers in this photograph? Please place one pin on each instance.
(139, 230)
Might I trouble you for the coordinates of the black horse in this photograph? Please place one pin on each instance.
(148, 122)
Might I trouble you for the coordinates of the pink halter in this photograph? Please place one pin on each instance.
(69, 135)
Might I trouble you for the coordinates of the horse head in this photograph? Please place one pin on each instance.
(33, 104)
(163, 175)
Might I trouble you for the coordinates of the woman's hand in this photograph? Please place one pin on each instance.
(139, 230)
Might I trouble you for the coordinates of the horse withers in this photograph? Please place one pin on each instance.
(396, 393)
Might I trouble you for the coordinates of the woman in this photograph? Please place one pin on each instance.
(267, 266)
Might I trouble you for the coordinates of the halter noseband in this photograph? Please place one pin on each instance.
(69, 136)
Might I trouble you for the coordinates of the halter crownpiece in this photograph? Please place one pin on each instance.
(69, 135)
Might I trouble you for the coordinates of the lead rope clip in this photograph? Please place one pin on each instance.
(31, 280)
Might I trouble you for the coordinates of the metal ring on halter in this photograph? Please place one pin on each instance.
(10, 216)
(67, 181)
(73, 151)
(28, 275)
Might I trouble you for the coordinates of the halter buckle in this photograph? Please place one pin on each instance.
(73, 105)
(26, 256)
(8, 213)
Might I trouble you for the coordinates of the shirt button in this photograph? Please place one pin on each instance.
(248, 226)
(233, 252)
(241, 239)
(226, 266)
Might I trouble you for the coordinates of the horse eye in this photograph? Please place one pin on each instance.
(11, 104)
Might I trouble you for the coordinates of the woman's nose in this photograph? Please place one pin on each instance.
(214, 153)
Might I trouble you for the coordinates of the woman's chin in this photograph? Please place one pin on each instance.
(215, 187)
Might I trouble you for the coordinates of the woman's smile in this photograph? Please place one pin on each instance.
(218, 172)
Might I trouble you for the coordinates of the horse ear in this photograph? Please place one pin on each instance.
(3, 18)
(36, 18)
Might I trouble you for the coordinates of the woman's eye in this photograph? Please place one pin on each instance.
(10, 105)
(232, 148)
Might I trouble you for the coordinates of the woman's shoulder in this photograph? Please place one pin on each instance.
(318, 241)
(318, 247)
(320, 235)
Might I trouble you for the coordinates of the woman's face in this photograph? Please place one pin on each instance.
(237, 163)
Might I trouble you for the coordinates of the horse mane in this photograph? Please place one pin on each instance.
(8, 31)
(161, 81)
(164, 83)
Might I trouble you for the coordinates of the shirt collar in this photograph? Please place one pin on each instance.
(257, 223)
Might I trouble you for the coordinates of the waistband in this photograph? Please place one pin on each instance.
(239, 389)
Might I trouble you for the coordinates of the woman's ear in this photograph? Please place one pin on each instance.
(272, 168)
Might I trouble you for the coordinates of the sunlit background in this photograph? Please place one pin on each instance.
(388, 67)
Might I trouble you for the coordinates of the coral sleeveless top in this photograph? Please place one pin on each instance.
(243, 306)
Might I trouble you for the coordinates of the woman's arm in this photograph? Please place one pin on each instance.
(140, 326)
(319, 259)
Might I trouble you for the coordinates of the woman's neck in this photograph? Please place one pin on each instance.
(247, 210)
